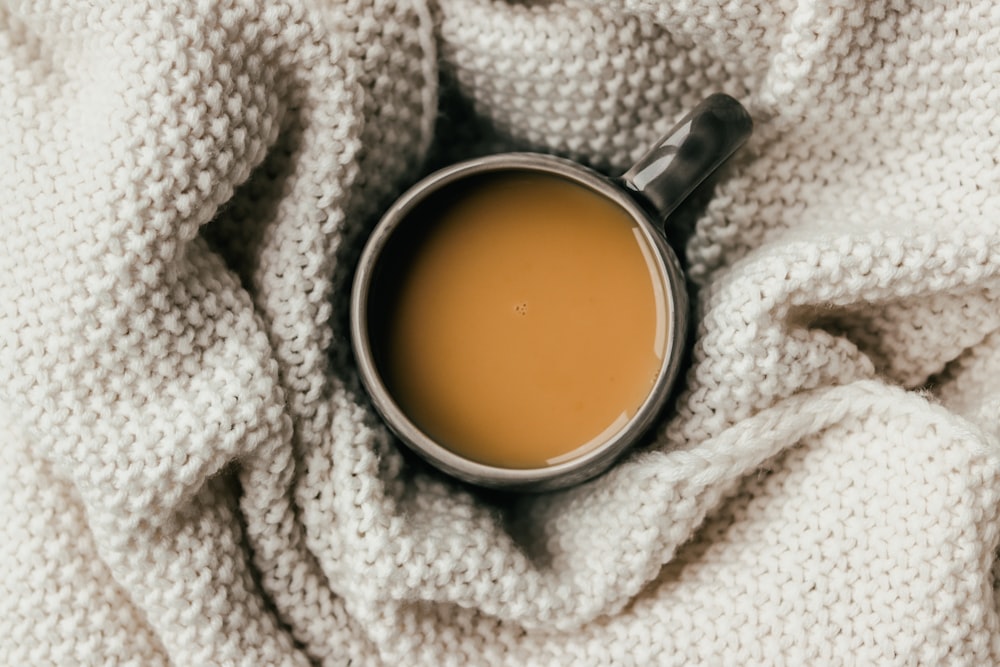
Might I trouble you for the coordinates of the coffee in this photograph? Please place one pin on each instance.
(520, 319)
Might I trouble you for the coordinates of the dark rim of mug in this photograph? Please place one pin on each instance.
(566, 472)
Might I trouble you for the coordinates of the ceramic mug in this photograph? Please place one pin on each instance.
(646, 195)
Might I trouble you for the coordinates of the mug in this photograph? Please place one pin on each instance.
(430, 367)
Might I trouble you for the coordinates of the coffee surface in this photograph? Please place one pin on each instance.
(529, 322)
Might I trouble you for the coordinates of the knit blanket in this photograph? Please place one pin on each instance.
(190, 473)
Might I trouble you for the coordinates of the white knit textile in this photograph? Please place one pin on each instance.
(190, 475)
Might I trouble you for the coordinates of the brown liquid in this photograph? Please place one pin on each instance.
(530, 323)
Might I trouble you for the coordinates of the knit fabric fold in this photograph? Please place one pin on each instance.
(192, 475)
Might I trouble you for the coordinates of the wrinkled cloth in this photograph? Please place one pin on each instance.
(191, 474)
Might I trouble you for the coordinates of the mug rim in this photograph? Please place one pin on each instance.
(565, 473)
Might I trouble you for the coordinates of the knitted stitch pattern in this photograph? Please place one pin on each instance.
(190, 474)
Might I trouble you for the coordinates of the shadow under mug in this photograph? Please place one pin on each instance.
(648, 193)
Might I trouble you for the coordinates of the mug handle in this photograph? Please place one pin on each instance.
(689, 153)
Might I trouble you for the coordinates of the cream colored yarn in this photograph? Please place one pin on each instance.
(190, 475)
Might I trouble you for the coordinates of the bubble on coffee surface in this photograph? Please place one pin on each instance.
(521, 308)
